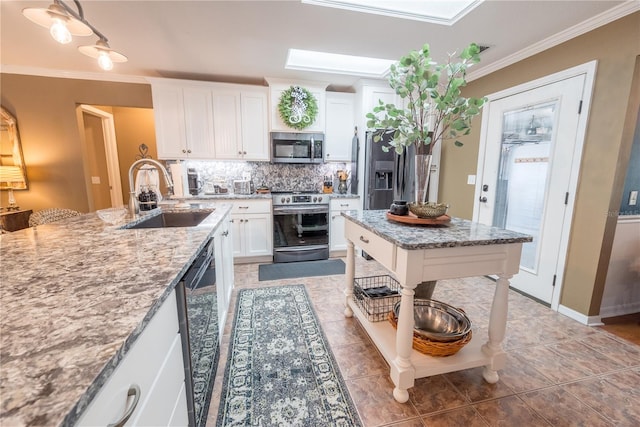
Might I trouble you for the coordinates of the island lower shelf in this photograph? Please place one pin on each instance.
(384, 337)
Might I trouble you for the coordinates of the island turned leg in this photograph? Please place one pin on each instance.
(350, 275)
(497, 328)
(402, 370)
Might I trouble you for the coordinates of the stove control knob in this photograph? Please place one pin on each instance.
(315, 199)
(288, 200)
(319, 199)
(282, 200)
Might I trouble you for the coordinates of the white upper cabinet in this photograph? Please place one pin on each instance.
(199, 126)
(203, 120)
(227, 122)
(340, 126)
(168, 110)
(278, 86)
(255, 129)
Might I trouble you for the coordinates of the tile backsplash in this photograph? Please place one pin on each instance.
(278, 177)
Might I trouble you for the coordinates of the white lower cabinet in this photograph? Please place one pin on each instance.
(337, 242)
(150, 376)
(224, 270)
(252, 230)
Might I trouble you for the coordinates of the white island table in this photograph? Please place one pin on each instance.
(414, 254)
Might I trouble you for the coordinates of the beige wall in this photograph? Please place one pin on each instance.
(45, 109)
(615, 47)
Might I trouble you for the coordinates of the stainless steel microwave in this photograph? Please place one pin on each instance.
(297, 147)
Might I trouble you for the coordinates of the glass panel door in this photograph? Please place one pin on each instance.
(523, 174)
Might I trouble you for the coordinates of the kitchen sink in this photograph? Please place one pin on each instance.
(173, 219)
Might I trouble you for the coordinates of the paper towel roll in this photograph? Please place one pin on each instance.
(177, 175)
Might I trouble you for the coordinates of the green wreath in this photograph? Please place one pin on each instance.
(298, 107)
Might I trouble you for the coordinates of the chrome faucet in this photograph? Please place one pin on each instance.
(134, 207)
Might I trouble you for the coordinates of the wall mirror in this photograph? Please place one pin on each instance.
(13, 173)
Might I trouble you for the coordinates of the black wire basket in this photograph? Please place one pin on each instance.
(376, 296)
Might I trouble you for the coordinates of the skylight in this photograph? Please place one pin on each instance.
(435, 11)
(324, 62)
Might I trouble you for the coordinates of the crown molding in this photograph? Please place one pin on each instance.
(66, 74)
(590, 24)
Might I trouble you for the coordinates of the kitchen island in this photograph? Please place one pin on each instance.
(414, 254)
(75, 297)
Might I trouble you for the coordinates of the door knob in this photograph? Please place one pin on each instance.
(483, 199)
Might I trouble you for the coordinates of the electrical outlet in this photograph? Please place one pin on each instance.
(633, 198)
(471, 179)
(95, 180)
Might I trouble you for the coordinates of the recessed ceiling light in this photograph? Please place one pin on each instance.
(324, 62)
(435, 11)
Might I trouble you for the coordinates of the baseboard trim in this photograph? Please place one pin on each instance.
(619, 310)
(579, 317)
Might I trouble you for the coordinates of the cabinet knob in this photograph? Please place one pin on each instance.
(189, 151)
(240, 152)
(134, 391)
(364, 239)
(244, 152)
(184, 151)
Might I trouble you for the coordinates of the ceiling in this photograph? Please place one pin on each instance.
(246, 41)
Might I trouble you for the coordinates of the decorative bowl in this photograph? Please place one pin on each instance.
(428, 209)
(438, 321)
(112, 215)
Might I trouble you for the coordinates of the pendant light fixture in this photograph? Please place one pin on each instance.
(64, 22)
(103, 53)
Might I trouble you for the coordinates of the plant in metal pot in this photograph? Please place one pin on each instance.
(433, 107)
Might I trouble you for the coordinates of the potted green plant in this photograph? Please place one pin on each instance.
(433, 108)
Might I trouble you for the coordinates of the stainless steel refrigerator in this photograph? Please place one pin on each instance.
(387, 176)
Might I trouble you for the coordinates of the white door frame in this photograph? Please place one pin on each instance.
(589, 70)
(111, 151)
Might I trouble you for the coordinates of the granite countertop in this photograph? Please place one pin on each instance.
(458, 232)
(75, 295)
(252, 196)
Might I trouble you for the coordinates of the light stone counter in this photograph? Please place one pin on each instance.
(74, 297)
(458, 232)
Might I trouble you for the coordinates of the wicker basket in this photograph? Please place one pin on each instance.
(377, 307)
(433, 348)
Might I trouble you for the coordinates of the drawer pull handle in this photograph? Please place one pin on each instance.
(243, 207)
(134, 390)
(344, 205)
(363, 239)
(225, 233)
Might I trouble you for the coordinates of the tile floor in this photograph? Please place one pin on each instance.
(558, 373)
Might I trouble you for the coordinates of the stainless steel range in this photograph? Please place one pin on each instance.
(300, 226)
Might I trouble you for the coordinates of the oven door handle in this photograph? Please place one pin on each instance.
(300, 210)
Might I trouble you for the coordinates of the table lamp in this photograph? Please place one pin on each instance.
(9, 176)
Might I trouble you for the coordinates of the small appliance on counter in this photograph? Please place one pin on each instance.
(242, 186)
(327, 184)
(195, 184)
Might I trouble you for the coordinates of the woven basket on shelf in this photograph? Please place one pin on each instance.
(433, 348)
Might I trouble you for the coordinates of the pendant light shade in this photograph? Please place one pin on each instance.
(103, 53)
(63, 22)
(56, 15)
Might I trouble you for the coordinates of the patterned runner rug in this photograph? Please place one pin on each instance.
(280, 370)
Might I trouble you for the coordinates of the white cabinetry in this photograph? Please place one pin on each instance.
(340, 125)
(152, 370)
(317, 89)
(183, 120)
(252, 230)
(337, 242)
(224, 270)
(240, 122)
(203, 120)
